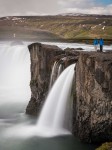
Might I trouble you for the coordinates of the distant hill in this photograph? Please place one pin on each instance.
(67, 26)
(82, 14)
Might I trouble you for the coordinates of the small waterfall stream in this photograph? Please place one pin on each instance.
(60, 69)
(53, 74)
(56, 71)
(52, 120)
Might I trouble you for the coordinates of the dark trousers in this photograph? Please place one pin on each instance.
(101, 48)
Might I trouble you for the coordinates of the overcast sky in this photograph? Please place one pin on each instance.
(50, 7)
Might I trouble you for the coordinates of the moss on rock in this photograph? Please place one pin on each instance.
(105, 146)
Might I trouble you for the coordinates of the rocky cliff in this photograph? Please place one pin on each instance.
(92, 120)
(92, 105)
(42, 59)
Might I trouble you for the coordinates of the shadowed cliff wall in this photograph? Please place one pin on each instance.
(42, 59)
(92, 120)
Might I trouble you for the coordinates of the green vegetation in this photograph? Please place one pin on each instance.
(67, 27)
(105, 146)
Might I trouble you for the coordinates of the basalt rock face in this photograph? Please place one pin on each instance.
(42, 59)
(92, 118)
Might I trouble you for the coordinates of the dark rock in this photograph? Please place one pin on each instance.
(99, 76)
(79, 49)
(72, 52)
(42, 60)
(92, 118)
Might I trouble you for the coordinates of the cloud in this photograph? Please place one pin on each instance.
(24, 7)
(76, 3)
(85, 6)
(44, 7)
(93, 10)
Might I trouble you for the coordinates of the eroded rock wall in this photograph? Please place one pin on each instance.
(92, 119)
(42, 59)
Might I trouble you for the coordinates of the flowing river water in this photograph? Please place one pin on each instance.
(14, 96)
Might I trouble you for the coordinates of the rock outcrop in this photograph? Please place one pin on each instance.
(42, 60)
(92, 119)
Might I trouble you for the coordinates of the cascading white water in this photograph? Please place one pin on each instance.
(56, 71)
(53, 75)
(55, 116)
(52, 120)
(60, 69)
(14, 73)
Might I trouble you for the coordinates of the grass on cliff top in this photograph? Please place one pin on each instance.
(105, 146)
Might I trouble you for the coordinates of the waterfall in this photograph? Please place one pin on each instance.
(53, 120)
(14, 73)
(53, 75)
(60, 69)
(56, 71)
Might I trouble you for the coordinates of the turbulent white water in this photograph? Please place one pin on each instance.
(53, 119)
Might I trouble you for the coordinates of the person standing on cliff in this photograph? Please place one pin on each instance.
(95, 42)
(101, 42)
